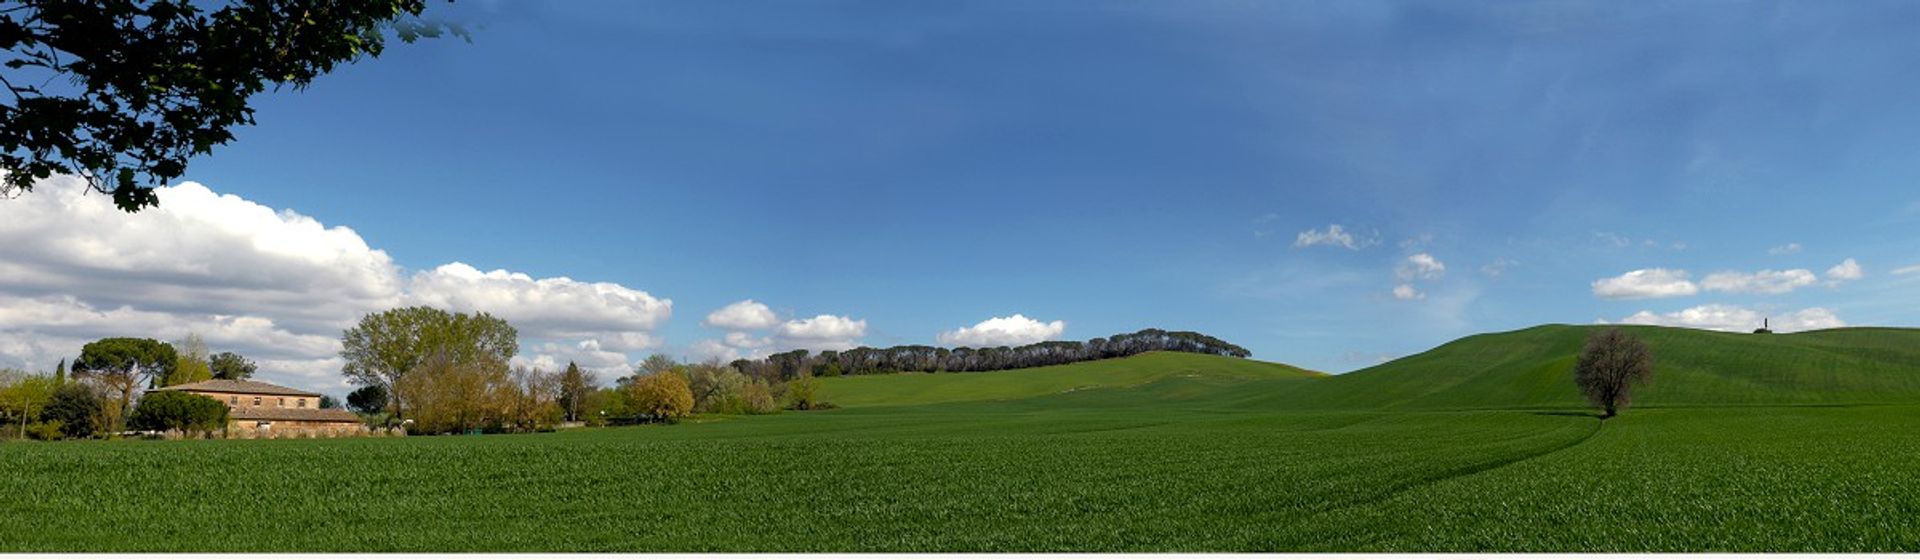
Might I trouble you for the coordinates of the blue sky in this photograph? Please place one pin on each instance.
(1119, 165)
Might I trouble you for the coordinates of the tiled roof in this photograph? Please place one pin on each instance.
(255, 413)
(241, 386)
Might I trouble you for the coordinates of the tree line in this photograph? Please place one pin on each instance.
(433, 372)
(930, 359)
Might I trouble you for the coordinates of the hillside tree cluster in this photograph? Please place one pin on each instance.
(929, 359)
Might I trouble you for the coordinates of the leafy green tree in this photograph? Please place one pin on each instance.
(328, 402)
(575, 386)
(370, 399)
(192, 362)
(124, 366)
(23, 397)
(449, 395)
(802, 393)
(162, 411)
(1608, 368)
(60, 372)
(228, 365)
(126, 92)
(78, 409)
(385, 346)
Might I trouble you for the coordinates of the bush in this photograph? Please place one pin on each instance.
(802, 393)
(45, 431)
(166, 411)
(76, 409)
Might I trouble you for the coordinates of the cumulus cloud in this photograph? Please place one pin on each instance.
(1846, 270)
(1737, 319)
(1646, 283)
(1788, 249)
(1407, 292)
(742, 315)
(821, 332)
(1421, 265)
(1334, 236)
(756, 331)
(1762, 282)
(1003, 331)
(542, 308)
(275, 285)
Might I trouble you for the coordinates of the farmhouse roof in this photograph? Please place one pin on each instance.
(241, 386)
(292, 414)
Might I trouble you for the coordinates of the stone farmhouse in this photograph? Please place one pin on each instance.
(268, 407)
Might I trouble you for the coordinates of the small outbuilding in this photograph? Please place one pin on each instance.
(265, 406)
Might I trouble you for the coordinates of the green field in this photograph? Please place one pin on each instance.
(1802, 442)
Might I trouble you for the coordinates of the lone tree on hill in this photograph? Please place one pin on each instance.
(1612, 363)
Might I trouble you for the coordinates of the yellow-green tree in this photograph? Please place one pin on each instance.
(662, 396)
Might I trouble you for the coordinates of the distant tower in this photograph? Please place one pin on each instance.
(1765, 327)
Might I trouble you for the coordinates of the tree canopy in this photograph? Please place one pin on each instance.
(125, 93)
(1608, 368)
(863, 360)
(173, 410)
(228, 365)
(385, 346)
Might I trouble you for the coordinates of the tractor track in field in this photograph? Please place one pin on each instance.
(1396, 490)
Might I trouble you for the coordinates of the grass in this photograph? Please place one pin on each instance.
(1172, 452)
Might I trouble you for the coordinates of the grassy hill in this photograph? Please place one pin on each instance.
(1478, 445)
(928, 388)
(1529, 368)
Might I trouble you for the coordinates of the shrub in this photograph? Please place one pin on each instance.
(77, 409)
(167, 411)
(802, 393)
(44, 431)
(758, 397)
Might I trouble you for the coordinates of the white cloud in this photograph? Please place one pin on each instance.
(276, 286)
(1846, 270)
(1407, 292)
(1334, 236)
(541, 308)
(822, 332)
(1646, 283)
(1788, 249)
(1421, 265)
(1003, 331)
(742, 315)
(1907, 269)
(1737, 319)
(745, 341)
(1762, 282)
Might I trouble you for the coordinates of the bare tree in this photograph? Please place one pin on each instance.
(1612, 363)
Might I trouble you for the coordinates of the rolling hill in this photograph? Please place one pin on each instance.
(1522, 369)
(1529, 368)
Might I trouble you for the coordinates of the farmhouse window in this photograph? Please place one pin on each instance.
(233, 400)
(303, 403)
(283, 402)
(256, 401)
